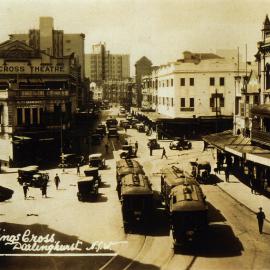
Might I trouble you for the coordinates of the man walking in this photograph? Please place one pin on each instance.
(56, 181)
(107, 148)
(164, 153)
(151, 149)
(227, 173)
(78, 169)
(25, 189)
(136, 146)
(260, 218)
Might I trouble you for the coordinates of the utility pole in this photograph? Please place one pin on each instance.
(216, 101)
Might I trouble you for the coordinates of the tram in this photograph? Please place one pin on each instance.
(172, 176)
(188, 212)
(137, 200)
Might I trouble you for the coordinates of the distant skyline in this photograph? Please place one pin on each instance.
(158, 29)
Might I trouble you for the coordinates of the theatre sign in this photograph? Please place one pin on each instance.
(25, 68)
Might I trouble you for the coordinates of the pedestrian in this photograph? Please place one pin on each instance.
(260, 218)
(136, 146)
(227, 174)
(252, 184)
(151, 150)
(125, 128)
(56, 181)
(107, 148)
(78, 169)
(44, 190)
(25, 189)
(164, 153)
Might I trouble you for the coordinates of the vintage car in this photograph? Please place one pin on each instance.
(128, 151)
(122, 112)
(103, 127)
(124, 124)
(96, 139)
(201, 170)
(97, 160)
(134, 122)
(32, 176)
(113, 132)
(140, 127)
(100, 131)
(111, 122)
(93, 171)
(129, 117)
(5, 193)
(71, 160)
(87, 189)
(152, 143)
(180, 144)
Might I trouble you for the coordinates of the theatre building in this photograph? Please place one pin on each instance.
(37, 103)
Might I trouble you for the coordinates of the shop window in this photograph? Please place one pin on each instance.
(247, 99)
(212, 102)
(27, 116)
(35, 116)
(19, 116)
(221, 101)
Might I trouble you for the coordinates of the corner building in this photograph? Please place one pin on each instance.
(38, 99)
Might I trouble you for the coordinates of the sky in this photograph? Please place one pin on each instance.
(158, 29)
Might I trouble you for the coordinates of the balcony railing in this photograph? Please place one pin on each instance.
(261, 137)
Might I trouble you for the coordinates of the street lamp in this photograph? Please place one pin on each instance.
(237, 80)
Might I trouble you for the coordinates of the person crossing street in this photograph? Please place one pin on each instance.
(164, 153)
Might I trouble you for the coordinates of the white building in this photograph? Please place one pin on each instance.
(200, 84)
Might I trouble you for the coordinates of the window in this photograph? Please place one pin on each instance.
(191, 81)
(163, 101)
(212, 102)
(35, 115)
(221, 102)
(183, 102)
(182, 81)
(247, 99)
(67, 41)
(168, 101)
(19, 116)
(167, 83)
(27, 116)
(256, 99)
(171, 82)
(172, 102)
(212, 81)
(191, 102)
(222, 81)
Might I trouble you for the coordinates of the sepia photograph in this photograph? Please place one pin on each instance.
(134, 135)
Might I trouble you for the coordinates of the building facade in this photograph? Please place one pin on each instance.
(38, 99)
(101, 65)
(57, 44)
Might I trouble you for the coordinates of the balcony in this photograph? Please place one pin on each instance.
(261, 137)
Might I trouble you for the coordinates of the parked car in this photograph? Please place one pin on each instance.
(134, 122)
(113, 132)
(97, 160)
(129, 117)
(96, 139)
(93, 171)
(111, 122)
(5, 193)
(103, 127)
(128, 151)
(71, 160)
(180, 144)
(124, 123)
(32, 176)
(100, 131)
(87, 189)
(140, 127)
(152, 143)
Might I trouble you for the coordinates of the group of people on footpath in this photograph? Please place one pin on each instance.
(43, 187)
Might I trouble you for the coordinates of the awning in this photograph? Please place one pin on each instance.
(263, 109)
(223, 139)
(240, 150)
(261, 157)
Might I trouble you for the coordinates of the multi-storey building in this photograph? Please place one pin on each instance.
(57, 44)
(196, 91)
(101, 65)
(38, 98)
